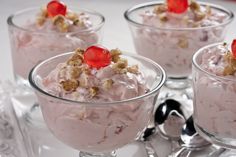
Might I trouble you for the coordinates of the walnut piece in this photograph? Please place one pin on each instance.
(163, 17)
(75, 72)
(60, 22)
(72, 16)
(107, 84)
(160, 9)
(133, 69)
(79, 51)
(40, 20)
(76, 60)
(42, 17)
(120, 66)
(93, 91)
(229, 70)
(115, 55)
(183, 43)
(70, 85)
(194, 6)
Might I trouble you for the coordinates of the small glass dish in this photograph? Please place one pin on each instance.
(97, 128)
(30, 46)
(214, 99)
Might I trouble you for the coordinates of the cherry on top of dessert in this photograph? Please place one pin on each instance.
(233, 48)
(177, 6)
(97, 56)
(56, 7)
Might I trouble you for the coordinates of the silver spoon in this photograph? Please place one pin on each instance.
(169, 119)
(162, 114)
(145, 138)
(189, 140)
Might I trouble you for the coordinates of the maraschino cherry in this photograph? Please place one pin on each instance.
(55, 7)
(177, 6)
(233, 48)
(97, 57)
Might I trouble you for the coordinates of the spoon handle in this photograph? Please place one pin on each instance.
(217, 152)
(150, 150)
(178, 152)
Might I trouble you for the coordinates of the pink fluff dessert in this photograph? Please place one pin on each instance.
(36, 35)
(171, 39)
(92, 127)
(214, 78)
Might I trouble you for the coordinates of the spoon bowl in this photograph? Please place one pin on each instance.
(190, 138)
(169, 119)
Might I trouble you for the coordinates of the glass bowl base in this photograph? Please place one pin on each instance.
(178, 83)
(228, 143)
(84, 154)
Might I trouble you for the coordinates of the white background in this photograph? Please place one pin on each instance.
(116, 31)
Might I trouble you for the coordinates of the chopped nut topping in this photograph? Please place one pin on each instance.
(59, 19)
(229, 70)
(76, 22)
(199, 15)
(72, 16)
(160, 9)
(76, 59)
(79, 51)
(194, 6)
(183, 43)
(75, 72)
(40, 20)
(108, 84)
(60, 22)
(74, 62)
(163, 17)
(64, 28)
(87, 71)
(93, 91)
(120, 66)
(115, 55)
(133, 69)
(42, 17)
(122, 63)
(44, 12)
(69, 85)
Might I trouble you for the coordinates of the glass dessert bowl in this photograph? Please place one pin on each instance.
(39, 33)
(214, 83)
(170, 36)
(97, 107)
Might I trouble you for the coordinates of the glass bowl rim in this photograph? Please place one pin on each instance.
(154, 90)
(10, 21)
(196, 65)
(153, 3)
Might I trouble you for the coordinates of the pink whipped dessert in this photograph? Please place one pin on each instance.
(172, 37)
(215, 90)
(40, 34)
(91, 127)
